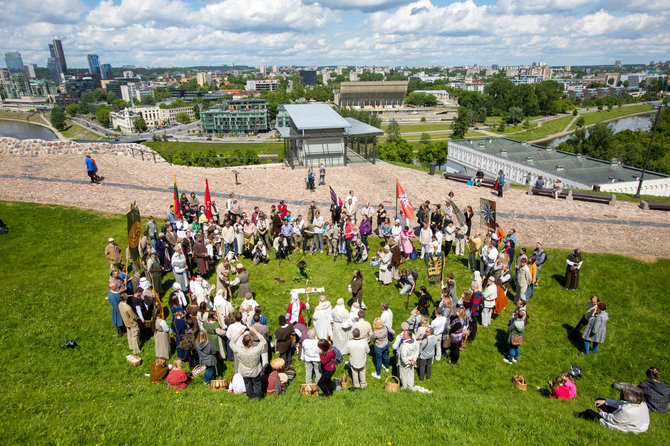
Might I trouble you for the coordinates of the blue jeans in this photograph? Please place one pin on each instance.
(514, 352)
(530, 292)
(537, 274)
(382, 355)
(317, 242)
(587, 347)
(406, 288)
(364, 239)
(209, 373)
(228, 247)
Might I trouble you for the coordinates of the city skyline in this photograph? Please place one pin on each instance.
(175, 33)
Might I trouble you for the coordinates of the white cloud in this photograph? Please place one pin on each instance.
(543, 6)
(30, 11)
(128, 12)
(361, 5)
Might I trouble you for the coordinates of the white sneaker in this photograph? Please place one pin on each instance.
(507, 361)
(514, 360)
(386, 368)
(374, 375)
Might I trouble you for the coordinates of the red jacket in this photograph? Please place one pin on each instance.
(178, 379)
(327, 361)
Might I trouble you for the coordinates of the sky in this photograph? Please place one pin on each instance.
(338, 32)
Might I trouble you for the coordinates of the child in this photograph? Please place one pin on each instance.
(178, 378)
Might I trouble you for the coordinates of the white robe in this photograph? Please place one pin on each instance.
(341, 326)
(322, 319)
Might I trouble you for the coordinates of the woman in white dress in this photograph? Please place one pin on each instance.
(179, 268)
(385, 265)
(341, 325)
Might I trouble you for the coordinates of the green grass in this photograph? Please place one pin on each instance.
(548, 128)
(427, 127)
(619, 196)
(616, 112)
(513, 129)
(75, 131)
(19, 116)
(201, 148)
(53, 287)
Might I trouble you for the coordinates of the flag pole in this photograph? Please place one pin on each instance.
(396, 200)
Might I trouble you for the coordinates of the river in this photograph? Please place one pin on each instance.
(24, 130)
(642, 122)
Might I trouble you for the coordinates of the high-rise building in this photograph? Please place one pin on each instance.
(30, 70)
(93, 64)
(14, 63)
(307, 77)
(56, 50)
(106, 71)
(55, 72)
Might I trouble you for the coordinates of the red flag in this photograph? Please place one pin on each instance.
(405, 204)
(337, 201)
(175, 198)
(208, 201)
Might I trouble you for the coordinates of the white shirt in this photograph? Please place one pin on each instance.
(489, 295)
(310, 351)
(318, 224)
(387, 318)
(438, 325)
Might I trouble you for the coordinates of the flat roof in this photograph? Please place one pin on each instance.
(315, 117)
(359, 128)
(573, 166)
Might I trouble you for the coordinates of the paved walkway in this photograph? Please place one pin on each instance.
(61, 179)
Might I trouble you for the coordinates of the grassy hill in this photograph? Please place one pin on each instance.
(53, 281)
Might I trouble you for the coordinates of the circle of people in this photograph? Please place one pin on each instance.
(208, 331)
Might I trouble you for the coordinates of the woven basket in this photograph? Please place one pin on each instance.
(344, 381)
(218, 385)
(133, 360)
(519, 382)
(392, 386)
(198, 370)
(309, 389)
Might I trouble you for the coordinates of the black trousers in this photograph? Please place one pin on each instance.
(455, 352)
(253, 387)
(581, 324)
(326, 383)
(447, 248)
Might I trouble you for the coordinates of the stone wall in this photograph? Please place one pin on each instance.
(36, 147)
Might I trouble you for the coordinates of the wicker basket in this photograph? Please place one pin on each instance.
(309, 389)
(218, 385)
(344, 381)
(198, 370)
(519, 382)
(392, 386)
(133, 360)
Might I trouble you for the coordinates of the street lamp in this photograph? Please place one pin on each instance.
(651, 141)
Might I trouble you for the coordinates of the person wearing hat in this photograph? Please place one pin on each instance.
(113, 254)
(283, 342)
(358, 349)
(275, 384)
(489, 296)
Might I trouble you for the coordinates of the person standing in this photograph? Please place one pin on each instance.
(425, 237)
(310, 356)
(385, 264)
(408, 353)
(328, 366)
(92, 169)
(381, 338)
(456, 335)
(161, 335)
(152, 230)
(596, 329)
(474, 245)
(206, 355)
(249, 362)
(523, 280)
(574, 264)
(130, 319)
(113, 254)
(515, 337)
(540, 258)
(591, 308)
(500, 182)
(322, 319)
(357, 348)
(114, 299)
(322, 174)
(426, 353)
(317, 241)
(489, 296)
(180, 267)
(283, 343)
(341, 325)
(356, 287)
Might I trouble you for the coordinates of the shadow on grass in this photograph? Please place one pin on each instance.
(559, 279)
(501, 341)
(576, 339)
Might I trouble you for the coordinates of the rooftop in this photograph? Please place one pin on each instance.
(315, 117)
(573, 166)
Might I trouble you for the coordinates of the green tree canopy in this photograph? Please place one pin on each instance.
(140, 125)
(58, 118)
(393, 131)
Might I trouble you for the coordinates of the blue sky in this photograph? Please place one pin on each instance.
(332, 32)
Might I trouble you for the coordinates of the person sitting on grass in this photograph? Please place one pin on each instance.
(557, 389)
(656, 392)
(158, 371)
(178, 378)
(628, 415)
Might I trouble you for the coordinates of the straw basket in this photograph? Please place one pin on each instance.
(133, 360)
(309, 389)
(218, 385)
(392, 386)
(198, 370)
(519, 382)
(344, 381)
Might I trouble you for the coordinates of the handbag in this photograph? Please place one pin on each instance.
(446, 342)
(516, 340)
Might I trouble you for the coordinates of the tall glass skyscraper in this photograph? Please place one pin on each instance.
(106, 71)
(93, 64)
(56, 50)
(55, 72)
(14, 63)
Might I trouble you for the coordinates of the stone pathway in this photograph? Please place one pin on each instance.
(61, 179)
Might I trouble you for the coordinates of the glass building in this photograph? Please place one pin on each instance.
(14, 63)
(239, 116)
(93, 64)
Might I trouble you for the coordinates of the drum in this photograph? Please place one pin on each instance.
(309, 389)
(218, 385)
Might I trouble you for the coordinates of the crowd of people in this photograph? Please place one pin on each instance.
(218, 325)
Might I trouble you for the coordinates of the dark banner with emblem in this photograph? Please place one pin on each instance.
(487, 213)
(134, 234)
(434, 267)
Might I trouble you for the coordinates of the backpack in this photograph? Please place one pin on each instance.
(576, 371)
(414, 273)
(338, 356)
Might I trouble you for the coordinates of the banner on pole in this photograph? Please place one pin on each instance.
(487, 214)
(434, 267)
(134, 234)
(405, 204)
(208, 201)
(460, 216)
